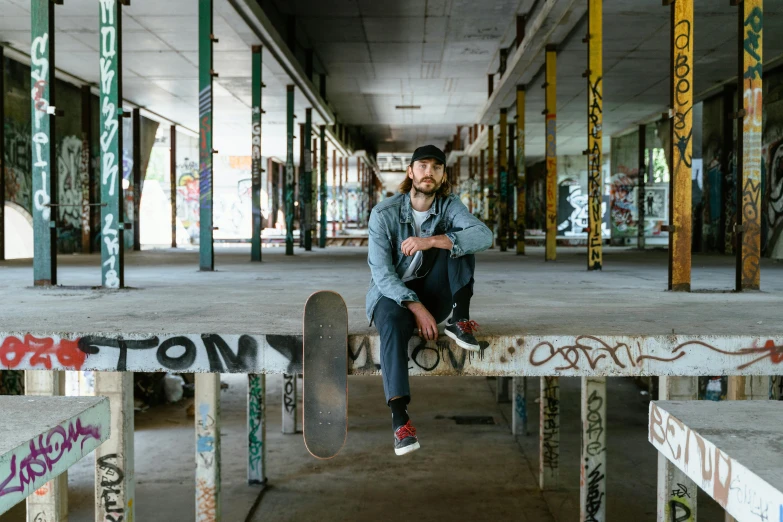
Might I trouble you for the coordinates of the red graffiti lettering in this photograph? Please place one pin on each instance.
(41, 350)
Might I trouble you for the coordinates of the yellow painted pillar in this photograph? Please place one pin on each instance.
(520, 170)
(503, 181)
(751, 18)
(681, 139)
(491, 182)
(595, 109)
(551, 153)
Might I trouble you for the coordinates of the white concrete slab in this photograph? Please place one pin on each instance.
(41, 437)
(731, 450)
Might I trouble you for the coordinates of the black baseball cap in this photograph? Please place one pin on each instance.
(428, 151)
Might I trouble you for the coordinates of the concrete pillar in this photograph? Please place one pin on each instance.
(521, 173)
(592, 483)
(115, 482)
(549, 433)
(289, 404)
(503, 181)
(49, 502)
(501, 390)
(519, 413)
(136, 176)
(85, 168)
(643, 169)
(749, 213)
(256, 428)
(481, 198)
(173, 183)
(2, 154)
(550, 112)
(206, 40)
(208, 447)
(307, 181)
(676, 492)
(44, 166)
(595, 109)
(256, 169)
(681, 130)
(491, 182)
(289, 172)
(324, 207)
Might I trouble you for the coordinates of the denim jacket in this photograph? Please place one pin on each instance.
(391, 223)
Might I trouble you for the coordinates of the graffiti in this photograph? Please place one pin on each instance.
(12, 382)
(594, 425)
(751, 157)
(594, 182)
(595, 495)
(84, 173)
(205, 147)
(773, 156)
(683, 127)
(551, 183)
(69, 182)
(18, 166)
(745, 494)
(205, 435)
(573, 211)
(289, 394)
(550, 423)
(679, 508)
(13, 352)
(44, 452)
(111, 483)
(39, 71)
(206, 500)
(109, 142)
(256, 428)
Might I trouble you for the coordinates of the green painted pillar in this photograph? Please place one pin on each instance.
(42, 127)
(205, 74)
(289, 173)
(2, 154)
(111, 224)
(307, 180)
(322, 235)
(255, 243)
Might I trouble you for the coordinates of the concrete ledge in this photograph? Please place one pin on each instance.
(40, 437)
(731, 450)
(586, 355)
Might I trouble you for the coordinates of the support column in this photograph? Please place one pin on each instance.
(592, 483)
(549, 433)
(343, 177)
(519, 415)
(595, 110)
(257, 169)
(136, 130)
(751, 21)
(511, 224)
(307, 180)
(112, 212)
(676, 492)
(551, 153)
(86, 178)
(322, 235)
(315, 189)
(43, 154)
(206, 39)
(115, 473)
(289, 404)
(256, 428)
(173, 183)
(49, 502)
(521, 174)
(503, 175)
(482, 199)
(289, 173)
(501, 390)
(491, 182)
(681, 132)
(2, 153)
(207, 447)
(640, 203)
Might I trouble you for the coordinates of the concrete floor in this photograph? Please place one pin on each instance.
(513, 294)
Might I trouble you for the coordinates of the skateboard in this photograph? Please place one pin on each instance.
(325, 374)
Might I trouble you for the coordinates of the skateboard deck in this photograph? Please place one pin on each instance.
(325, 374)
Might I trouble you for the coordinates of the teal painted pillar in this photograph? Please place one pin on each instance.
(307, 181)
(322, 235)
(205, 74)
(289, 173)
(256, 428)
(111, 225)
(42, 126)
(255, 243)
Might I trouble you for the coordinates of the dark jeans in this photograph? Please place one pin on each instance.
(396, 324)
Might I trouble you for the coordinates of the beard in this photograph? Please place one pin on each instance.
(417, 187)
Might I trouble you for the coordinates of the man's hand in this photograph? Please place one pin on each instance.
(428, 328)
(414, 244)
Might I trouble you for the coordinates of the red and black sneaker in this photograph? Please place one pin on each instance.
(462, 332)
(405, 439)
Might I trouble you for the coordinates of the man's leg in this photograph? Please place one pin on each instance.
(447, 286)
(395, 325)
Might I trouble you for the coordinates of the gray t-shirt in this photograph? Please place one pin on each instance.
(418, 220)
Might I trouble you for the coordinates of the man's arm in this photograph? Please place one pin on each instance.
(380, 260)
(474, 237)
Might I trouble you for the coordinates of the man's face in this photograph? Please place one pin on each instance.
(427, 176)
